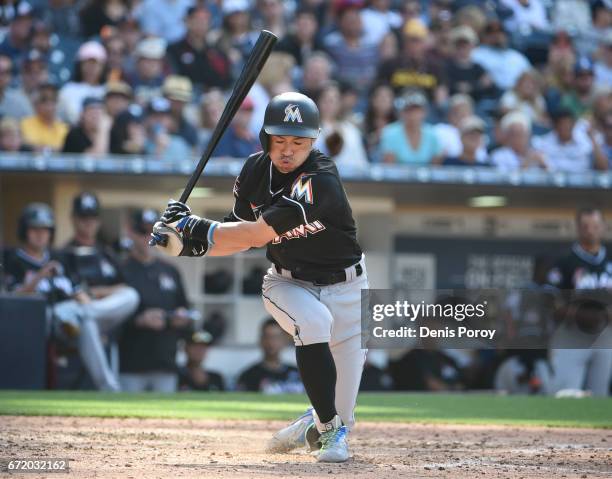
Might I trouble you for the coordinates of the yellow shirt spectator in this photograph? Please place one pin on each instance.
(39, 134)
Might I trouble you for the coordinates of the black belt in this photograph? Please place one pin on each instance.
(322, 279)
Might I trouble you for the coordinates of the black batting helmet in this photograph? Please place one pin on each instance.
(290, 114)
(35, 215)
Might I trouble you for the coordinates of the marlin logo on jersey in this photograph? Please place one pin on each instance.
(292, 113)
(301, 231)
(302, 189)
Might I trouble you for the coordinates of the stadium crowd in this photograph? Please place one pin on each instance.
(509, 83)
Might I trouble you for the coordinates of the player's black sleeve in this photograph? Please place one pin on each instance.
(312, 197)
(242, 209)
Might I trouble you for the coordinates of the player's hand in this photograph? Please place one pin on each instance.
(175, 211)
(152, 318)
(180, 318)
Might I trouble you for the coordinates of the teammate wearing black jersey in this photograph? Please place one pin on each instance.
(35, 268)
(290, 198)
(587, 267)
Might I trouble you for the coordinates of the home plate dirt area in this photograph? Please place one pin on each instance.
(151, 448)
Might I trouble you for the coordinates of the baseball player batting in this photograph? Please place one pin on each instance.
(290, 199)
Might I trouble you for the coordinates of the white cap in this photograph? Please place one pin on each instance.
(153, 48)
(233, 6)
(91, 51)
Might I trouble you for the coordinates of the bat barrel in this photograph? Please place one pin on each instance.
(257, 59)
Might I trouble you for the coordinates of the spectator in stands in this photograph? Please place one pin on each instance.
(128, 135)
(178, 91)
(414, 69)
(163, 18)
(302, 39)
(460, 107)
(211, 108)
(193, 376)
(88, 81)
(99, 13)
(378, 20)
(10, 136)
(148, 77)
(339, 138)
(34, 72)
(193, 57)
(95, 268)
(317, 73)
(472, 131)
(501, 62)
(117, 98)
(271, 375)
(63, 16)
(13, 102)
(607, 139)
(380, 112)
(578, 99)
(559, 69)
(44, 131)
(526, 97)
(603, 66)
(527, 16)
(410, 140)
(355, 57)
(517, 152)
(236, 38)
(601, 109)
(91, 135)
(565, 150)
(465, 76)
(585, 268)
(17, 40)
(272, 15)
(161, 141)
(33, 268)
(117, 55)
(148, 344)
(238, 141)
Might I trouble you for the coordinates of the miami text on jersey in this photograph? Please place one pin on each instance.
(301, 231)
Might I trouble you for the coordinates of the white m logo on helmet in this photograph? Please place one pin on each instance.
(292, 113)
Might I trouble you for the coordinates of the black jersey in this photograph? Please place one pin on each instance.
(583, 270)
(20, 268)
(307, 208)
(92, 265)
(159, 285)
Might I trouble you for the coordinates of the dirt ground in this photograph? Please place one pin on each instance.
(151, 448)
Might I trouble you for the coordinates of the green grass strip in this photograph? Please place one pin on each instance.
(392, 407)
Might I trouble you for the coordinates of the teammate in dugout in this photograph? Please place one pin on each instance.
(290, 198)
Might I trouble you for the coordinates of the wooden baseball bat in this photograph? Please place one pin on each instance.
(260, 53)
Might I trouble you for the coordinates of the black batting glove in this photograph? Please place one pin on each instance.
(175, 211)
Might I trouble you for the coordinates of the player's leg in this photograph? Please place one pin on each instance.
(93, 356)
(344, 302)
(600, 372)
(297, 308)
(115, 308)
(569, 368)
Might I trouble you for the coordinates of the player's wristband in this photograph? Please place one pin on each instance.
(211, 230)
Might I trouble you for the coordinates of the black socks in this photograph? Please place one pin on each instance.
(318, 372)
